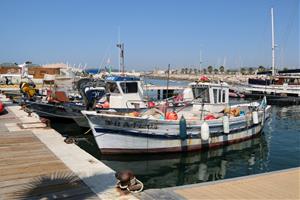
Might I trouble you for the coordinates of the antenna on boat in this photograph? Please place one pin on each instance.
(121, 53)
(273, 43)
(200, 63)
(167, 93)
(121, 59)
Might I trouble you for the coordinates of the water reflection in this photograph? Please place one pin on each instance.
(167, 170)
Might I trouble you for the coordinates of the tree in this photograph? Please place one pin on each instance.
(204, 71)
(261, 68)
(195, 71)
(210, 69)
(285, 69)
(243, 70)
(250, 70)
(182, 70)
(216, 71)
(222, 69)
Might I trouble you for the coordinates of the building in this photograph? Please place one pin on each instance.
(37, 71)
(10, 68)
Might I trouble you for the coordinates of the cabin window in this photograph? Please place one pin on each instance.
(224, 96)
(215, 95)
(112, 88)
(202, 93)
(220, 96)
(129, 87)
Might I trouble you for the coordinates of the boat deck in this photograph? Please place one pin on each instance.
(283, 184)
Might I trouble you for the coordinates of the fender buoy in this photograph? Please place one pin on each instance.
(226, 124)
(204, 131)
(255, 117)
(1, 107)
(182, 128)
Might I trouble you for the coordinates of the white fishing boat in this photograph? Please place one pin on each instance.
(210, 122)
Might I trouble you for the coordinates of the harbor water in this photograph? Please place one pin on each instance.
(276, 148)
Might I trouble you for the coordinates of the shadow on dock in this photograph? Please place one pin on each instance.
(59, 185)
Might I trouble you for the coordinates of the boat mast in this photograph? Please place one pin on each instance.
(121, 58)
(273, 43)
(200, 63)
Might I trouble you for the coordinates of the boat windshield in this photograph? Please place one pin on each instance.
(201, 93)
(129, 87)
(112, 87)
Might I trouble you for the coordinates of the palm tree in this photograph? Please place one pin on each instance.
(216, 71)
(195, 71)
(243, 70)
(250, 70)
(182, 70)
(222, 69)
(210, 69)
(261, 68)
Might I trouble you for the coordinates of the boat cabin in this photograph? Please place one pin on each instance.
(212, 97)
(124, 92)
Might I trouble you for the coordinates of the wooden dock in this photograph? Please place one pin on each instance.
(28, 169)
(283, 184)
(35, 163)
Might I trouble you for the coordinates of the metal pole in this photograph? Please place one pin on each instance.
(273, 43)
(119, 42)
(122, 57)
(167, 93)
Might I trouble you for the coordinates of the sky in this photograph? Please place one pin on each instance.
(234, 33)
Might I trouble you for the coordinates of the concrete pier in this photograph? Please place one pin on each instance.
(36, 163)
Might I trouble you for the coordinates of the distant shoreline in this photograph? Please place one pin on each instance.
(231, 79)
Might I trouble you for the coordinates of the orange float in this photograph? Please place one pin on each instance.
(105, 104)
(171, 116)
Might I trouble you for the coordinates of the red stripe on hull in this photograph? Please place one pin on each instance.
(174, 149)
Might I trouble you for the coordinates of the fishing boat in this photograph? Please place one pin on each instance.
(209, 122)
(118, 92)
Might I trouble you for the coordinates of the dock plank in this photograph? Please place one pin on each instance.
(276, 185)
(26, 165)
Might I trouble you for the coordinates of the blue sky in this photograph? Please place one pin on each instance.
(156, 33)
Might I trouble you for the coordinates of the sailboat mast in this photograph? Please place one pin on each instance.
(119, 42)
(200, 63)
(273, 43)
